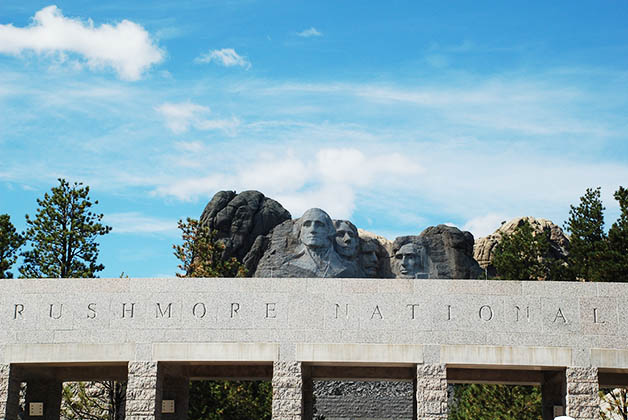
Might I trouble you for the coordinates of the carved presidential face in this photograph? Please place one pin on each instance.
(316, 229)
(346, 239)
(368, 258)
(408, 260)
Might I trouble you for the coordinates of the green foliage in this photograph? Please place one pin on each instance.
(230, 400)
(10, 242)
(617, 262)
(526, 255)
(614, 404)
(496, 402)
(588, 250)
(63, 235)
(201, 253)
(101, 400)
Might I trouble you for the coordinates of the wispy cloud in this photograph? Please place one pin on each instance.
(419, 152)
(125, 47)
(179, 117)
(307, 33)
(329, 179)
(134, 222)
(485, 225)
(227, 57)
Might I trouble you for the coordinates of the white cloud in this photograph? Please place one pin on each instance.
(329, 178)
(484, 225)
(126, 47)
(518, 105)
(272, 174)
(191, 188)
(428, 155)
(351, 166)
(338, 200)
(226, 57)
(134, 222)
(180, 117)
(229, 126)
(310, 32)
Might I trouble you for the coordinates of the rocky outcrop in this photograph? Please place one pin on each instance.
(260, 233)
(240, 219)
(450, 252)
(375, 252)
(484, 247)
(443, 252)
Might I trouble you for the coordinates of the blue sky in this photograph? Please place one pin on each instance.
(398, 115)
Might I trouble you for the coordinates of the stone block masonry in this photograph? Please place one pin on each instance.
(431, 392)
(143, 392)
(287, 391)
(149, 327)
(583, 401)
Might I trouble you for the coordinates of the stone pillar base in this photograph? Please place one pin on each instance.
(431, 392)
(287, 391)
(143, 391)
(583, 399)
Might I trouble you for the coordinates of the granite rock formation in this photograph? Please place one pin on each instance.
(484, 247)
(309, 247)
(260, 233)
(439, 252)
(240, 219)
(375, 254)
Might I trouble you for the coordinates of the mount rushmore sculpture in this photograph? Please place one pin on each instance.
(261, 234)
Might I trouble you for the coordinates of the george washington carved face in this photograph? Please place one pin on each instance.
(316, 229)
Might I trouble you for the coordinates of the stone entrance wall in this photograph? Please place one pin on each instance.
(54, 330)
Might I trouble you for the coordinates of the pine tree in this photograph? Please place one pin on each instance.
(526, 255)
(234, 400)
(201, 253)
(496, 402)
(63, 234)
(588, 251)
(617, 264)
(94, 400)
(10, 242)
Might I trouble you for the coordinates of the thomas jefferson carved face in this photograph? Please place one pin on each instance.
(346, 239)
(316, 229)
(408, 259)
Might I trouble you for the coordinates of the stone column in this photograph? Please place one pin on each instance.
(287, 391)
(431, 392)
(143, 391)
(583, 400)
(47, 391)
(177, 388)
(9, 392)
